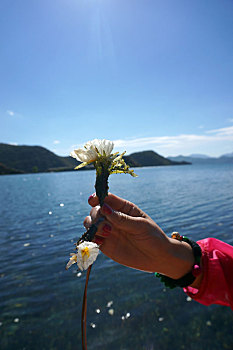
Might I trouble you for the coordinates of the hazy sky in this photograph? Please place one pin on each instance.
(149, 74)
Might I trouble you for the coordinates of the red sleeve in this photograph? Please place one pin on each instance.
(217, 283)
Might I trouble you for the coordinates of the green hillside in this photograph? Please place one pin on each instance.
(151, 158)
(4, 170)
(31, 159)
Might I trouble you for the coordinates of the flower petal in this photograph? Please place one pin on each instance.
(85, 260)
(73, 153)
(104, 147)
(72, 261)
(92, 150)
(88, 155)
(109, 147)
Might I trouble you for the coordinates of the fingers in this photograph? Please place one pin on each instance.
(93, 200)
(87, 222)
(104, 227)
(118, 204)
(98, 240)
(122, 213)
(95, 213)
(121, 218)
(123, 221)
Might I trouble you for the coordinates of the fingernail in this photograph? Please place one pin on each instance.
(91, 196)
(107, 209)
(106, 230)
(98, 240)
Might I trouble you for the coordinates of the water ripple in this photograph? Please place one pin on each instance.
(36, 234)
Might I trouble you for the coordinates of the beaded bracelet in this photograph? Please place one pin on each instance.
(189, 278)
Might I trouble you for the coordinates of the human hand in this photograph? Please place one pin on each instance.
(130, 237)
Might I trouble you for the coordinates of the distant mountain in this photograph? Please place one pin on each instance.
(228, 155)
(201, 160)
(29, 159)
(150, 158)
(197, 155)
(32, 159)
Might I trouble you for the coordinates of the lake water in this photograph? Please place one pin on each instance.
(41, 217)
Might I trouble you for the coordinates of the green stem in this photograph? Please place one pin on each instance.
(101, 184)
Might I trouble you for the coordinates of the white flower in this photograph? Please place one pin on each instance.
(103, 147)
(92, 150)
(87, 254)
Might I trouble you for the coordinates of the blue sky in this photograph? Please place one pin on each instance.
(148, 74)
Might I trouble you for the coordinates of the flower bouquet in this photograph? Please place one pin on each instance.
(98, 152)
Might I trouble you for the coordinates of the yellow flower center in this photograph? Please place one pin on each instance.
(85, 252)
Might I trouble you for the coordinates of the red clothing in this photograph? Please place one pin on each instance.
(217, 283)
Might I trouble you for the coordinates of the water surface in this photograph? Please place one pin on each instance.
(41, 217)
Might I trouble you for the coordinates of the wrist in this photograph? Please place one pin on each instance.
(192, 277)
(174, 259)
(181, 258)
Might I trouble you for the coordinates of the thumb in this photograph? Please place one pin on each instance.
(122, 220)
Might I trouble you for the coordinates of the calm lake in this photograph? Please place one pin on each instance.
(41, 217)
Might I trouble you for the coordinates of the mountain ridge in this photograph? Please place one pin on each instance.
(32, 159)
(203, 160)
